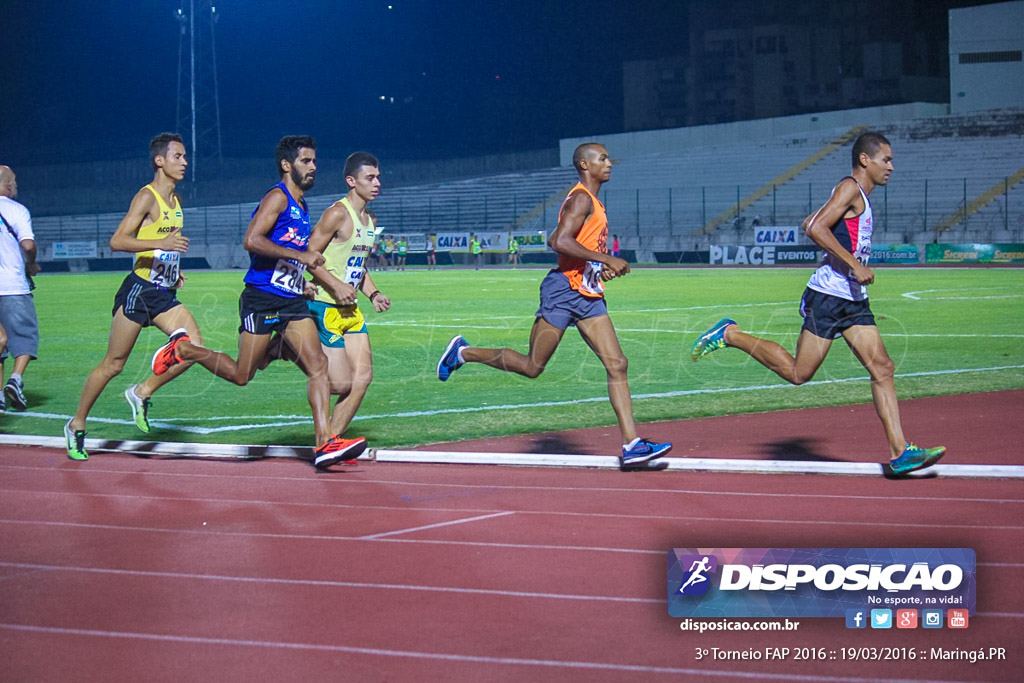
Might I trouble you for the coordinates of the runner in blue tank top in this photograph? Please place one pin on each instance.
(272, 301)
(835, 303)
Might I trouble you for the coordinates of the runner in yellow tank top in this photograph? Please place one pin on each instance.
(345, 234)
(152, 231)
(573, 294)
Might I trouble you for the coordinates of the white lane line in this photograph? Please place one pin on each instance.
(302, 419)
(372, 537)
(329, 584)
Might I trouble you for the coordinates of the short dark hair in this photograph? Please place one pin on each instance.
(581, 151)
(867, 143)
(288, 149)
(357, 160)
(158, 146)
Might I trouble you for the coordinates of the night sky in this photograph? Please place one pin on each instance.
(93, 80)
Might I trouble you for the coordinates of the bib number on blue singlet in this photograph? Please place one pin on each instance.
(288, 276)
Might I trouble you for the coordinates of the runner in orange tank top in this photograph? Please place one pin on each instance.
(573, 294)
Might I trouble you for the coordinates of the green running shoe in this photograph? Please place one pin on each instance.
(140, 408)
(913, 458)
(712, 340)
(76, 442)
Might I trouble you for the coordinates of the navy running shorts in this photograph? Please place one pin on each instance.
(562, 306)
(827, 316)
(143, 301)
(262, 312)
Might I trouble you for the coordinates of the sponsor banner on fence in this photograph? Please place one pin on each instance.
(491, 242)
(974, 253)
(894, 253)
(75, 250)
(536, 240)
(817, 582)
(775, 234)
(762, 255)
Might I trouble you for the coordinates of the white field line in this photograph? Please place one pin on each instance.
(287, 420)
(370, 537)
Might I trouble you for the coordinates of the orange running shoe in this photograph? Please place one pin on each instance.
(336, 449)
(167, 356)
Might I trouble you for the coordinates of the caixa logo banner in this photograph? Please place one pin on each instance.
(816, 582)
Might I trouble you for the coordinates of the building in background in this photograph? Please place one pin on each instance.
(986, 70)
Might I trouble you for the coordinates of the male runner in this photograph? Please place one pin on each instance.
(148, 296)
(573, 294)
(272, 300)
(835, 302)
(346, 234)
(17, 309)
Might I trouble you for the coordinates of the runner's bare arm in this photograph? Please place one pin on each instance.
(845, 199)
(144, 207)
(262, 223)
(335, 222)
(563, 239)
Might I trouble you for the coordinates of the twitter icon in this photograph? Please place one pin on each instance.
(881, 618)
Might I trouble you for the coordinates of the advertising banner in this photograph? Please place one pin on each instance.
(74, 250)
(819, 582)
(536, 240)
(775, 235)
(894, 253)
(766, 255)
(974, 253)
(453, 241)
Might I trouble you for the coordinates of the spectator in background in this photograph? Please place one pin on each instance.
(431, 252)
(615, 246)
(476, 249)
(401, 251)
(513, 250)
(17, 309)
(385, 252)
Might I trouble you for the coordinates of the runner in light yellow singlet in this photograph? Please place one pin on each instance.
(345, 235)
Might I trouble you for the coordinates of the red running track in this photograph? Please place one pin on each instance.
(123, 568)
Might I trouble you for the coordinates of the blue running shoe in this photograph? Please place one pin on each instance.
(450, 362)
(913, 458)
(643, 451)
(712, 340)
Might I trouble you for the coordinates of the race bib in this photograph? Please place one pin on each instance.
(592, 278)
(354, 270)
(288, 276)
(166, 268)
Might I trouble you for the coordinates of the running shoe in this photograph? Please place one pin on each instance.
(336, 450)
(140, 407)
(914, 458)
(450, 362)
(643, 451)
(712, 340)
(76, 442)
(15, 394)
(167, 356)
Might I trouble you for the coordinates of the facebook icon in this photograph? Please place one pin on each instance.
(856, 618)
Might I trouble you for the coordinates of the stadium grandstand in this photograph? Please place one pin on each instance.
(958, 179)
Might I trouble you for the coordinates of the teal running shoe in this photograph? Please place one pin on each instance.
(914, 458)
(712, 340)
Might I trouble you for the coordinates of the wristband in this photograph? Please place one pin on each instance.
(374, 294)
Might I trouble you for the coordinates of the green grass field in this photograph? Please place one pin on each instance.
(949, 331)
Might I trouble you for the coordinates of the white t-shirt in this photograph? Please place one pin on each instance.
(18, 220)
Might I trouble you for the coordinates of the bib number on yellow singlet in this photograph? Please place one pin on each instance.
(592, 278)
(288, 276)
(354, 269)
(166, 268)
